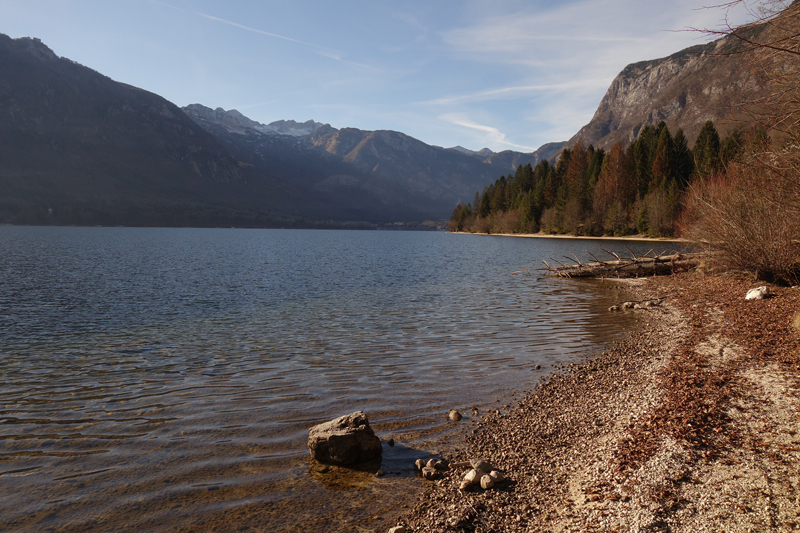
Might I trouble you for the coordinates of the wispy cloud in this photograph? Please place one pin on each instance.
(504, 93)
(492, 135)
(583, 31)
(324, 51)
(332, 52)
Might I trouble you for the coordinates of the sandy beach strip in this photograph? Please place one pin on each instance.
(635, 238)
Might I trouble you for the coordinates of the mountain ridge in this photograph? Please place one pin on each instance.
(382, 163)
(685, 89)
(81, 148)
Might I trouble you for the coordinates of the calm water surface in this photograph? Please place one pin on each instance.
(165, 379)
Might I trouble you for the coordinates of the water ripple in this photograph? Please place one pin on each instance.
(151, 370)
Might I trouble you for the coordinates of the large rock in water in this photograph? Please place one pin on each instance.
(347, 440)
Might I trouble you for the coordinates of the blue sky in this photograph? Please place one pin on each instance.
(502, 74)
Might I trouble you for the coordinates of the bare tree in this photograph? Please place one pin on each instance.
(772, 45)
(752, 213)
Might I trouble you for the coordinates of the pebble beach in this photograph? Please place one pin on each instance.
(691, 424)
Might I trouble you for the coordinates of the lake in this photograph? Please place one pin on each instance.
(165, 379)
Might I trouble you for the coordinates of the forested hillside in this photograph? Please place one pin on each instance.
(633, 189)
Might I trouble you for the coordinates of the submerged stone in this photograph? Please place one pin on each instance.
(346, 440)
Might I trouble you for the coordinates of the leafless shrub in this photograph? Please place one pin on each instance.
(751, 212)
(744, 217)
(661, 208)
(550, 220)
(505, 221)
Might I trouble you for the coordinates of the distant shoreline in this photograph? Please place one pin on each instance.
(548, 236)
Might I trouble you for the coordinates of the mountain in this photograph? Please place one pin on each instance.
(685, 89)
(80, 148)
(380, 176)
(235, 122)
(295, 129)
(483, 152)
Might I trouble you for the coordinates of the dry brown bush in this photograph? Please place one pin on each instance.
(751, 214)
(550, 220)
(742, 215)
(505, 221)
(662, 209)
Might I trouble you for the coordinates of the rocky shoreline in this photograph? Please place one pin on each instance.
(691, 424)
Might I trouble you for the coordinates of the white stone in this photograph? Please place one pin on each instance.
(487, 482)
(346, 440)
(759, 293)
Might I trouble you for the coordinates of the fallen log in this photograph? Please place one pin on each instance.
(649, 264)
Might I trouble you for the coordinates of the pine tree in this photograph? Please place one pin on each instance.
(684, 161)
(643, 159)
(485, 205)
(498, 202)
(615, 190)
(577, 173)
(706, 151)
(663, 170)
(731, 148)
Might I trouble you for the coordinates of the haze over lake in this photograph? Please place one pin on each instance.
(167, 378)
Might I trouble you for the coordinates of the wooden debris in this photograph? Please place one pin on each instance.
(650, 263)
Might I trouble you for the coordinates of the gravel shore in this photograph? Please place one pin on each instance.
(692, 424)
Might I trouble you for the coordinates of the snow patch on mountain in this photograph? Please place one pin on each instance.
(235, 122)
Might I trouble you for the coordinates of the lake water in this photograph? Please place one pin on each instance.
(165, 379)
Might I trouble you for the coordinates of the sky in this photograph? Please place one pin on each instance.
(501, 74)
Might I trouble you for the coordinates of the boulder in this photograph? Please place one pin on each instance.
(347, 440)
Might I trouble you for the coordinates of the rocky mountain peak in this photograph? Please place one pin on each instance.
(35, 47)
(235, 122)
(295, 129)
(700, 83)
(482, 151)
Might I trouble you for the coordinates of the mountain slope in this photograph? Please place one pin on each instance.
(685, 89)
(80, 148)
(331, 187)
(381, 175)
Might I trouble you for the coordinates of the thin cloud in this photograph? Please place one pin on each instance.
(513, 92)
(268, 34)
(330, 53)
(495, 136)
(324, 51)
(627, 27)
